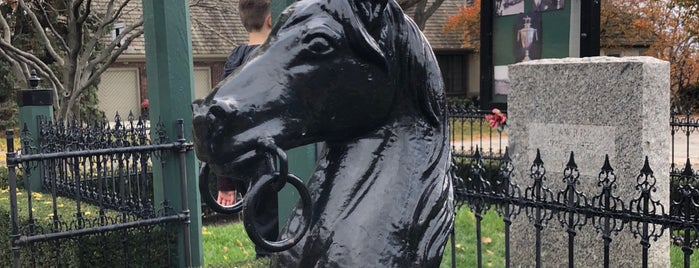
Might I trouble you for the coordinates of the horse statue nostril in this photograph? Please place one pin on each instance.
(218, 112)
(223, 109)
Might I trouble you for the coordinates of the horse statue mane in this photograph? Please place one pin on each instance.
(361, 77)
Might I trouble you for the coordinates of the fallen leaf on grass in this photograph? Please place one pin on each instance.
(487, 240)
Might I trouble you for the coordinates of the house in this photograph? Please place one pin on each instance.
(215, 31)
(459, 65)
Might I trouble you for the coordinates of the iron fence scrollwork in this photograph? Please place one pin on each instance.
(97, 194)
(485, 181)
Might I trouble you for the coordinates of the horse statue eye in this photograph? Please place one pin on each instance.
(320, 45)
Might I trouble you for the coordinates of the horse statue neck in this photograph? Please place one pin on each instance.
(391, 177)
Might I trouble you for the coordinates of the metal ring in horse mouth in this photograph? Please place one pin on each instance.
(266, 145)
(254, 197)
(209, 199)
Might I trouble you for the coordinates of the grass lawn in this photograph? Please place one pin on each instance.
(465, 130)
(3, 146)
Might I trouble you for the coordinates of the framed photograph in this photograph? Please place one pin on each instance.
(528, 32)
(546, 5)
(509, 7)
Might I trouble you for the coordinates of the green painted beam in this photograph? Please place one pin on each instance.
(302, 160)
(277, 6)
(170, 92)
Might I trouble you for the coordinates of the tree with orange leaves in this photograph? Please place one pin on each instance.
(669, 28)
(672, 26)
(468, 22)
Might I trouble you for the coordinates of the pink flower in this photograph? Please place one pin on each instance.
(496, 119)
(145, 104)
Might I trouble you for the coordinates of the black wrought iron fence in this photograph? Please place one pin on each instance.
(484, 169)
(643, 216)
(469, 130)
(118, 177)
(95, 207)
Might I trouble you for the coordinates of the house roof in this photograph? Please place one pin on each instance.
(216, 28)
(440, 40)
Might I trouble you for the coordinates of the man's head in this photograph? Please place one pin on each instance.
(254, 14)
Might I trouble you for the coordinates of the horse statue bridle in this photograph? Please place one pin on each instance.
(275, 179)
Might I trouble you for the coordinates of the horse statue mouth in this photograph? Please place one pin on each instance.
(242, 166)
(214, 144)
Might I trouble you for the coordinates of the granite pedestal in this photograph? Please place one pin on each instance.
(591, 106)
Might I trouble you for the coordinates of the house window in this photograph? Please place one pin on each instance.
(118, 29)
(454, 72)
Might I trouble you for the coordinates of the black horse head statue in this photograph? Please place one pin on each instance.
(361, 77)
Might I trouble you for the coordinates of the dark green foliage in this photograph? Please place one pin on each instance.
(88, 103)
(4, 179)
(485, 176)
(8, 104)
(463, 102)
(688, 97)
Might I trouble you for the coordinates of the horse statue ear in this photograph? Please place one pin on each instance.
(370, 12)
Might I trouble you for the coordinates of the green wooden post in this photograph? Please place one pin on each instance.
(277, 6)
(302, 160)
(34, 102)
(170, 92)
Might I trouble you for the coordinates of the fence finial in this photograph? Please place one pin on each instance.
(34, 80)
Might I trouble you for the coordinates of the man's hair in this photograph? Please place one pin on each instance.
(253, 13)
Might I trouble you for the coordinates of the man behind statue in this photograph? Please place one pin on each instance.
(257, 20)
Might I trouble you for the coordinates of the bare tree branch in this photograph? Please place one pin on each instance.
(112, 52)
(406, 4)
(56, 34)
(6, 33)
(433, 8)
(86, 13)
(30, 60)
(42, 34)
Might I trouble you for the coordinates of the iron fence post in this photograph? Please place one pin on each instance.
(12, 177)
(183, 189)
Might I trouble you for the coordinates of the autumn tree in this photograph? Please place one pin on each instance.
(467, 22)
(668, 28)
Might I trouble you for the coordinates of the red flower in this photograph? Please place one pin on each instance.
(145, 104)
(496, 119)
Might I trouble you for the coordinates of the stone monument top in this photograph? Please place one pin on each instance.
(592, 107)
